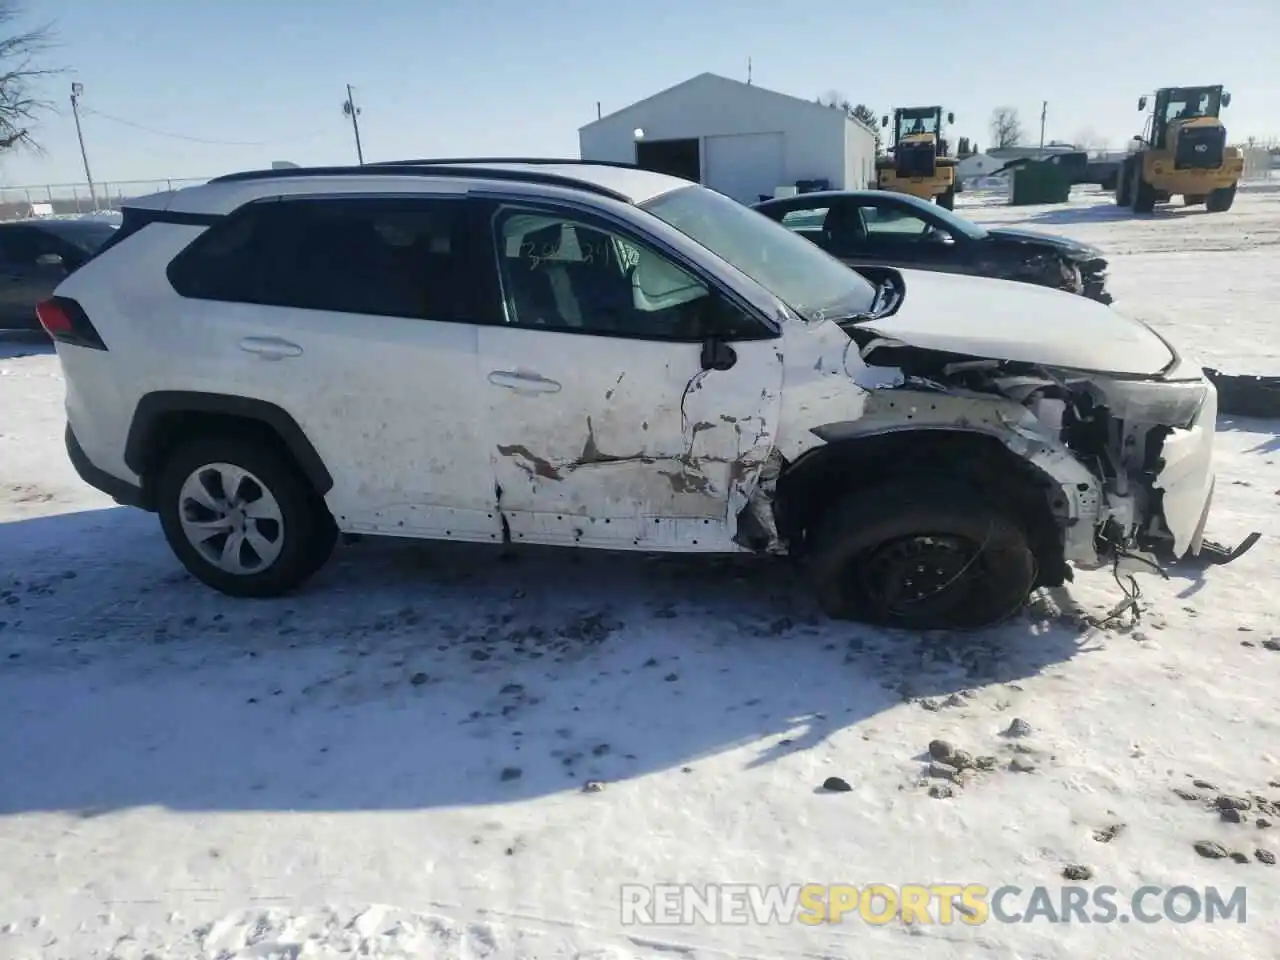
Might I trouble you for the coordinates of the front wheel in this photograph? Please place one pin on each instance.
(947, 199)
(240, 517)
(921, 555)
(1123, 184)
(1142, 194)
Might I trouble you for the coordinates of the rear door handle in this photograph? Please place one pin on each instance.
(529, 382)
(270, 348)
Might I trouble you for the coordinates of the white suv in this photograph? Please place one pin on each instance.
(559, 352)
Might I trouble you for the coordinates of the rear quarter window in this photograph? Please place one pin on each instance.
(359, 255)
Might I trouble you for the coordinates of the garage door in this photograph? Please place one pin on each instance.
(744, 166)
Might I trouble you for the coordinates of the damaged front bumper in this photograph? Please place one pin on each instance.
(1211, 553)
(1162, 455)
(1129, 461)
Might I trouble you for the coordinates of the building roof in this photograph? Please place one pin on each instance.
(703, 78)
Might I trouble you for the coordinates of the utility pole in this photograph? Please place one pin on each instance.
(1044, 112)
(350, 109)
(76, 90)
(748, 71)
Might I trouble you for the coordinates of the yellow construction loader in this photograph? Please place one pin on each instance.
(1182, 151)
(918, 163)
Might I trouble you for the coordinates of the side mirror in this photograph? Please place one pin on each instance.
(1142, 103)
(884, 121)
(717, 355)
(951, 118)
(49, 260)
(1226, 98)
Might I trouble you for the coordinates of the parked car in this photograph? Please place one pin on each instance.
(864, 227)
(35, 256)
(594, 355)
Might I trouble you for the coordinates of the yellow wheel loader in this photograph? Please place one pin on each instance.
(918, 163)
(1182, 151)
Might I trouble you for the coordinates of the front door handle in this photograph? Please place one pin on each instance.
(270, 348)
(529, 382)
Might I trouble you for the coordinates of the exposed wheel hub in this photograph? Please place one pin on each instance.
(916, 575)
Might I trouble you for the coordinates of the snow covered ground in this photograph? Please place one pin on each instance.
(392, 763)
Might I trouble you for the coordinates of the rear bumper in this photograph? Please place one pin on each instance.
(121, 491)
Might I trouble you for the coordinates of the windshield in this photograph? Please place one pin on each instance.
(955, 224)
(88, 236)
(809, 281)
(1185, 104)
(914, 124)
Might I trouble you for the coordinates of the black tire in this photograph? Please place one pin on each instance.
(1123, 183)
(1142, 194)
(306, 533)
(947, 199)
(1220, 200)
(859, 553)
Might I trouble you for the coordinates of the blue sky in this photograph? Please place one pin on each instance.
(447, 77)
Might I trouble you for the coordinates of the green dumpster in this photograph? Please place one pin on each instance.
(1040, 181)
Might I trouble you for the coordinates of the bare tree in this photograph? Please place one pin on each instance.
(20, 76)
(861, 112)
(1006, 129)
(1090, 141)
(834, 98)
(866, 115)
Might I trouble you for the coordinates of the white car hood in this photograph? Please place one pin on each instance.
(1009, 320)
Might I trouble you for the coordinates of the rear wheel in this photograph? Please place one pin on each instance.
(921, 555)
(947, 199)
(1220, 200)
(241, 518)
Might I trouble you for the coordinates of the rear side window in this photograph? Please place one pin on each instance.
(382, 257)
(810, 219)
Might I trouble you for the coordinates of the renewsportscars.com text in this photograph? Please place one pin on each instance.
(939, 903)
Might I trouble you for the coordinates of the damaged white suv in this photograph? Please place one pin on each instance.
(582, 354)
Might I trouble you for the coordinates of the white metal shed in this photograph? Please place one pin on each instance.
(740, 139)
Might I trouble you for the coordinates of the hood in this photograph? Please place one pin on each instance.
(1064, 245)
(1022, 322)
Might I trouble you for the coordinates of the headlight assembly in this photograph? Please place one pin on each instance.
(1172, 404)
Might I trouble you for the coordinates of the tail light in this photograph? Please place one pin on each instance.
(66, 322)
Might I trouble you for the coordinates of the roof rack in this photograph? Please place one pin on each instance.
(426, 169)
(535, 161)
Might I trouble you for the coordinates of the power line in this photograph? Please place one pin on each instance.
(219, 143)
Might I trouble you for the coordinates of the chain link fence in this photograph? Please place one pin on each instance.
(76, 199)
(1261, 161)
(1262, 165)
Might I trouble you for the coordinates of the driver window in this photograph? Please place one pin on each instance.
(563, 274)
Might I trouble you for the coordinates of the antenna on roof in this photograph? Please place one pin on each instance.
(748, 71)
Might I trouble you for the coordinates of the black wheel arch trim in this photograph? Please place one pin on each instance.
(154, 407)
